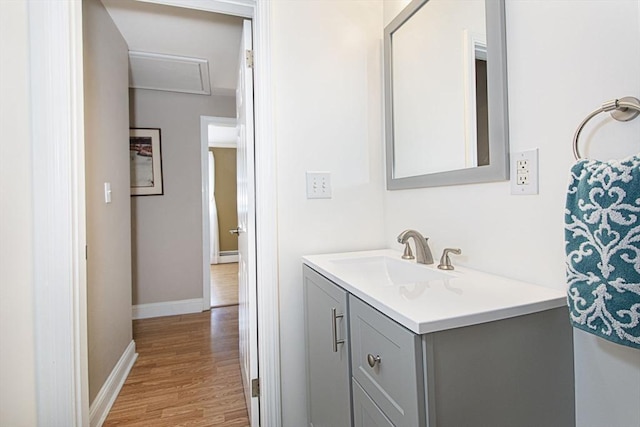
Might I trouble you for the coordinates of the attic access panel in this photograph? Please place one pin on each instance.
(170, 73)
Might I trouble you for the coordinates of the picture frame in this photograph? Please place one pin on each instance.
(145, 162)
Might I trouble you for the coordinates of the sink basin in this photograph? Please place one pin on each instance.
(424, 299)
(387, 271)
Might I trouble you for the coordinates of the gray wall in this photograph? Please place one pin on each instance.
(17, 349)
(167, 229)
(106, 84)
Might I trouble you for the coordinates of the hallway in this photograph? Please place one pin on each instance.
(187, 373)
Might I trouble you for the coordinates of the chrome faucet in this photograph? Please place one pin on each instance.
(423, 253)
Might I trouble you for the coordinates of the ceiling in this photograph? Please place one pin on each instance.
(168, 30)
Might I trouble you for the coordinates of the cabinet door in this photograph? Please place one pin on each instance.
(365, 412)
(328, 370)
(387, 363)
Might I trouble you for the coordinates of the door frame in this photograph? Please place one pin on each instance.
(57, 118)
(59, 230)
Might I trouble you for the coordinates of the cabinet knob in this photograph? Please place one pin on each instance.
(372, 360)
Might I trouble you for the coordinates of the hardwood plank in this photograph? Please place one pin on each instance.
(224, 284)
(187, 373)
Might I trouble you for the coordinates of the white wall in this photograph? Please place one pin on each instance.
(327, 88)
(17, 347)
(167, 229)
(564, 59)
(106, 101)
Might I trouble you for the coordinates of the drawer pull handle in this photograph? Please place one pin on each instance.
(372, 360)
(334, 333)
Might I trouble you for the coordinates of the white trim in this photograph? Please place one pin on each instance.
(266, 223)
(223, 145)
(204, 201)
(167, 308)
(227, 257)
(223, 122)
(109, 392)
(242, 8)
(57, 138)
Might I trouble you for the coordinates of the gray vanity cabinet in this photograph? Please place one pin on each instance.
(327, 344)
(515, 371)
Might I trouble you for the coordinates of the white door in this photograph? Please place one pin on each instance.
(248, 323)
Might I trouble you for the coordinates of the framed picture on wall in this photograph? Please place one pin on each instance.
(145, 162)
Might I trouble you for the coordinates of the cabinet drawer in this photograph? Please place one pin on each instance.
(365, 412)
(396, 380)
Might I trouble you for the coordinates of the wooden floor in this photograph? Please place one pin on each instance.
(224, 284)
(187, 373)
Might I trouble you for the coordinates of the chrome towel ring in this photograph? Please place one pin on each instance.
(623, 110)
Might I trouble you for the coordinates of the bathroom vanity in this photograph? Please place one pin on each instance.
(393, 343)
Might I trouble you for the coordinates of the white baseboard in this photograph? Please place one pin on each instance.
(101, 405)
(225, 258)
(168, 308)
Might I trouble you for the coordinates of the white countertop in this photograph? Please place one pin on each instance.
(447, 300)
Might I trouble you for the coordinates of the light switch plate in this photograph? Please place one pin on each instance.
(524, 172)
(107, 192)
(318, 185)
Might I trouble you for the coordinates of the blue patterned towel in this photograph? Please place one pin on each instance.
(602, 240)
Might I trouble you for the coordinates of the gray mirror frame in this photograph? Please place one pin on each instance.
(498, 168)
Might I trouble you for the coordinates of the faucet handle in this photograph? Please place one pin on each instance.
(445, 261)
(407, 252)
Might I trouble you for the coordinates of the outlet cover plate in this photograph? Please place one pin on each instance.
(524, 172)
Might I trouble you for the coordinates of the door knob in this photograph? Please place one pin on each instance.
(236, 231)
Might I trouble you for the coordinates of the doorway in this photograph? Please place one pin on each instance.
(219, 136)
(164, 96)
(56, 38)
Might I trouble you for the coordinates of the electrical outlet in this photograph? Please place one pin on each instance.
(523, 179)
(522, 166)
(524, 172)
(318, 185)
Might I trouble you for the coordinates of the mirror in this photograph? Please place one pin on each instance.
(445, 94)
